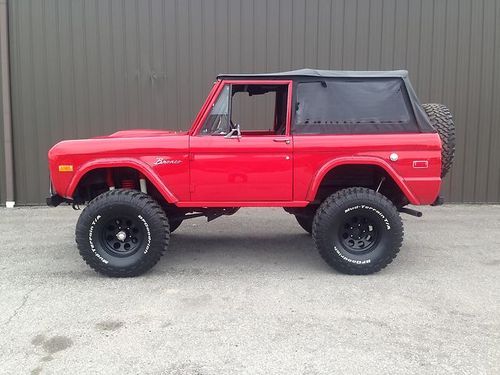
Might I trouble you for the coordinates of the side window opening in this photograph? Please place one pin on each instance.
(257, 109)
(353, 106)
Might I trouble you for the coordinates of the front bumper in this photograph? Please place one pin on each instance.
(55, 200)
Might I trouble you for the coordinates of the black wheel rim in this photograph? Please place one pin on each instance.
(122, 236)
(359, 234)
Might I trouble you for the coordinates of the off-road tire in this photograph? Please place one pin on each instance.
(339, 213)
(306, 222)
(442, 121)
(126, 211)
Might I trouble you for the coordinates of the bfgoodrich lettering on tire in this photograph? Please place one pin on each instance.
(358, 231)
(122, 233)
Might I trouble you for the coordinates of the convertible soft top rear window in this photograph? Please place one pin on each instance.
(353, 105)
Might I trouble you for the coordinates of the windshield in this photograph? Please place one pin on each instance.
(217, 122)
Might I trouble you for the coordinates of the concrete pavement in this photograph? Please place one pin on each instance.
(248, 294)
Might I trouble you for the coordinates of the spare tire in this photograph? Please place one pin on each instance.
(442, 121)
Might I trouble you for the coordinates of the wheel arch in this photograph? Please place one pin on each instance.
(332, 165)
(136, 165)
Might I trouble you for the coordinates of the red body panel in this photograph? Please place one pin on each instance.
(314, 156)
(255, 170)
(139, 152)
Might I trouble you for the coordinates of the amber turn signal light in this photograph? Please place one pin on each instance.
(65, 168)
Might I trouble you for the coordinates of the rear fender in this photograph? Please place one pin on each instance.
(318, 178)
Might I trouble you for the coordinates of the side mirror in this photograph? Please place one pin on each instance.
(234, 133)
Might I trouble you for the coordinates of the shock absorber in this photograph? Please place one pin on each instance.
(109, 180)
(142, 183)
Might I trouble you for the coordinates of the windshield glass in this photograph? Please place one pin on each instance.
(217, 122)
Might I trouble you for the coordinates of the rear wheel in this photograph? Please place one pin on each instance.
(122, 233)
(357, 231)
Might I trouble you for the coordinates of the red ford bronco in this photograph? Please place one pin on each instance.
(345, 152)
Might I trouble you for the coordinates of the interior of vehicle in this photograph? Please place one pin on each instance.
(248, 109)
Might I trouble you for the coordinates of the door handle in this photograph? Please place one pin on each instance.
(286, 140)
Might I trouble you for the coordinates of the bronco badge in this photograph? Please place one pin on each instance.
(160, 161)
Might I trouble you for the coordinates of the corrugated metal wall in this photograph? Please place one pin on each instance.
(83, 68)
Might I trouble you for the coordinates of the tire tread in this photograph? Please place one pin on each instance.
(442, 120)
(327, 211)
(125, 196)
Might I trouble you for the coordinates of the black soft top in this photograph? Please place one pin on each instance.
(320, 73)
(363, 99)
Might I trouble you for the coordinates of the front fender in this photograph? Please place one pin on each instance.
(138, 165)
(327, 167)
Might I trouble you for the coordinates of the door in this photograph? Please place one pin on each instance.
(242, 162)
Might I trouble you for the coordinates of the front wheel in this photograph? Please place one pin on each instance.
(122, 233)
(358, 231)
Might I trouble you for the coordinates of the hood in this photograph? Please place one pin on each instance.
(139, 133)
(126, 142)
